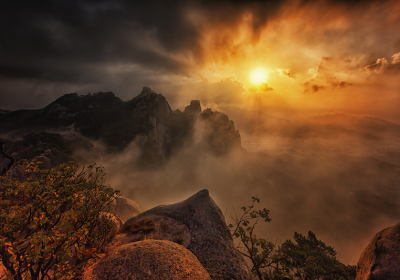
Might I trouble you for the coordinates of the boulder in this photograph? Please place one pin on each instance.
(124, 208)
(145, 260)
(381, 258)
(210, 239)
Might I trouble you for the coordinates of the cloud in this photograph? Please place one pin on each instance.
(396, 58)
(83, 45)
(382, 65)
(265, 87)
(310, 87)
(285, 72)
(260, 89)
(341, 84)
(377, 67)
(331, 73)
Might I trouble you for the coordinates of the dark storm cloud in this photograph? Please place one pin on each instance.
(81, 42)
(39, 35)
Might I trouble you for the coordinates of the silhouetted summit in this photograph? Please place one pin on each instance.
(147, 119)
(193, 109)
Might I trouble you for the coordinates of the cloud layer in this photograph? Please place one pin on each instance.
(52, 48)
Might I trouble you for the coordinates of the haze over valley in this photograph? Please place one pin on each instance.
(294, 101)
(332, 174)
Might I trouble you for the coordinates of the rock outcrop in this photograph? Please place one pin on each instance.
(193, 109)
(147, 120)
(153, 114)
(124, 208)
(148, 259)
(381, 258)
(220, 134)
(210, 239)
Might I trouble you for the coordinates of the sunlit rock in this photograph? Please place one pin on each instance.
(148, 259)
(381, 258)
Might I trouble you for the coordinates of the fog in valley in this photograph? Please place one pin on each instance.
(312, 87)
(335, 174)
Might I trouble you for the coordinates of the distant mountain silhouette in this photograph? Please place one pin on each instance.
(146, 119)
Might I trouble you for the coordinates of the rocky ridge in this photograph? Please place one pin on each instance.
(147, 120)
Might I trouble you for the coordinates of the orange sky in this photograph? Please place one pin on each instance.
(319, 58)
(320, 55)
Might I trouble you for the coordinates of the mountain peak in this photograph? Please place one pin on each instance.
(146, 91)
(193, 109)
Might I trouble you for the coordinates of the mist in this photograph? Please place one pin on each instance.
(320, 136)
(320, 174)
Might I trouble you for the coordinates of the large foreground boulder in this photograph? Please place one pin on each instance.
(146, 260)
(210, 239)
(381, 258)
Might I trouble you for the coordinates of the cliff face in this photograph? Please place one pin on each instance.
(146, 119)
(152, 114)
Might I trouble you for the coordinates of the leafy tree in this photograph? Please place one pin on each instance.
(308, 258)
(305, 259)
(51, 222)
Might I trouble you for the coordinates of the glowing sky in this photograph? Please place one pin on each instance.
(319, 56)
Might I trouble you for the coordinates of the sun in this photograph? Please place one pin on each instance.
(258, 76)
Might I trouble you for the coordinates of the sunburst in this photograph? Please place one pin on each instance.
(258, 76)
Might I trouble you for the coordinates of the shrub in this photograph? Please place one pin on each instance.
(50, 222)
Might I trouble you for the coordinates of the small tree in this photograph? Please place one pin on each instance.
(50, 222)
(310, 259)
(258, 250)
(307, 259)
